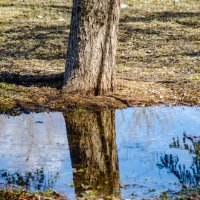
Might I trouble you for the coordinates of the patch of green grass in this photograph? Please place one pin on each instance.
(79, 110)
(6, 86)
(16, 194)
(6, 104)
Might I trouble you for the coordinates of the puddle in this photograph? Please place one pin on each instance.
(151, 149)
(34, 152)
(131, 153)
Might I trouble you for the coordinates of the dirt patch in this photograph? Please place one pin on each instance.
(158, 57)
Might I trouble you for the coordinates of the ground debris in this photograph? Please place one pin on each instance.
(158, 58)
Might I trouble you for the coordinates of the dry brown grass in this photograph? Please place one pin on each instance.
(14, 194)
(158, 58)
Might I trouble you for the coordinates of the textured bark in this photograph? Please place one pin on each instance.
(91, 52)
(93, 151)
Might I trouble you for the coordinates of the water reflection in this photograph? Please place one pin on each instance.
(34, 152)
(143, 138)
(37, 180)
(133, 153)
(92, 142)
(187, 176)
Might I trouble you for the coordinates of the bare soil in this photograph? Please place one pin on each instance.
(158, 57)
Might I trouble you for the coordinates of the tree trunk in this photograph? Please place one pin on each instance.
(90, 67)
(93, 151)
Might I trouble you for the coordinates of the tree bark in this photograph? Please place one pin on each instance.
(90, 67)
(93, 151)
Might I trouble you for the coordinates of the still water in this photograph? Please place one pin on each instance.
(132, 153)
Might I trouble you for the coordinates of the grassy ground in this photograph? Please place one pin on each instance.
(11, 194)
(158, 58)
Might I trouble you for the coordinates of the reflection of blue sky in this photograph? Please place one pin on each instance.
(35, 141)
(143, 135)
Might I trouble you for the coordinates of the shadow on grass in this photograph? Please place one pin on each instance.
(146, 31)
(192, 54)
(34, 42)
(29, 41)
(54, 80)
(161, 16)
(130, 31)
(67, 8)
(187, 19)
(191, 24)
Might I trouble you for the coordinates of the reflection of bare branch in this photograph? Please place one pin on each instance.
(2, 125)
(185, 176)
(195, 142)
(146, 117)
(37, 180)
(30, 129)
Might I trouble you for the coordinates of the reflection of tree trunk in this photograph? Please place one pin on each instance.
(92, 142)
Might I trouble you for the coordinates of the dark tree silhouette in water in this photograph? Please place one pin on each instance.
(37, 180)
(92, 142)
(190, 177)
(91, 51)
